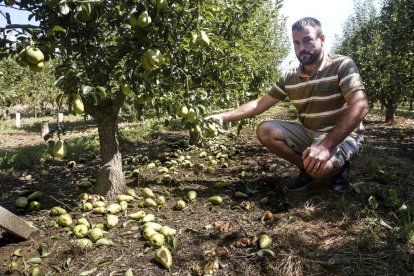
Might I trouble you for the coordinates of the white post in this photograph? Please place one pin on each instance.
(60, 117)
(18, 120)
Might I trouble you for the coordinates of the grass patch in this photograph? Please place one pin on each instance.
(23, 158)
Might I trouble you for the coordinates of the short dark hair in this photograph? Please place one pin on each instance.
(308, 21)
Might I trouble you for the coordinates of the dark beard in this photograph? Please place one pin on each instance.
(313, 57)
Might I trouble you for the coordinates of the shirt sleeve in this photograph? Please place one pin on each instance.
(278, 89)
(349, 77)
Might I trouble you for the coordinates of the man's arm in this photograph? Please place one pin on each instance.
(357, 109)
(246, 110)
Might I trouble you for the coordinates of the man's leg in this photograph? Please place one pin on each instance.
(272, 137)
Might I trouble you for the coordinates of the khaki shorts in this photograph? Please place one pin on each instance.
(299, 138)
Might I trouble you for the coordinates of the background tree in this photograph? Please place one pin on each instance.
(35, 92)
(112, 50)
(381, 44)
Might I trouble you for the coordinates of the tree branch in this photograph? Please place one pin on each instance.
(19, 26)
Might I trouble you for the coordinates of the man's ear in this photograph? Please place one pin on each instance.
(322, 38)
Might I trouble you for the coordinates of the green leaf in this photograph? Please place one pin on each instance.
(373, 202)
(44, 250)
(59, 29)
(129, 272)
(17, 253)
(88, 272)
(67, 263)
(36, 260)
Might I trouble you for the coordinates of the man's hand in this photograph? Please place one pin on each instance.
(215, 117)
(314, 158)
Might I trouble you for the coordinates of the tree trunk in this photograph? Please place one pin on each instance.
(110, 179)
(389, 113)
(140, 112)
(195, 138)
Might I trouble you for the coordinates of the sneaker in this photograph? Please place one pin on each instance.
(301, 182)
(340, 183)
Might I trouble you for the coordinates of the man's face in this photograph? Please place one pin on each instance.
(308, 45)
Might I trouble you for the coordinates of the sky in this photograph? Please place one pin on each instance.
(331, 14)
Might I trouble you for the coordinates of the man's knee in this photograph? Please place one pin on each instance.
(267, 132)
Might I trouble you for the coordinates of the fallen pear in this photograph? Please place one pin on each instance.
(114, 208)
(34, 205)
(264, 241)
(167, 231)
(149, 202)
(191, 195)
(160, 200)
(180, 205)
(80, 230)
(148, 232)
(99, 210)
(95, 234)
(131, 192)
(148, 217)
(84, 243)
(147, 192)
(111, 220)
(104, 241)
(34, 195)
(57, 211)
(126, 198)
(153, 225)
(64, 220)
(83, 221)
(216, 200)
(157, 240)
(87, 207)
(137, 215)
(124, 205)
(22, 202)
(163, 256)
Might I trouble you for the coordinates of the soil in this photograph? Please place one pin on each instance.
(314, 231)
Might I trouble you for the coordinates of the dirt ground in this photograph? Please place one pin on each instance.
(314, 232)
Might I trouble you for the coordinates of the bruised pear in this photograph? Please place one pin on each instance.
(163, 256)
(84, 243)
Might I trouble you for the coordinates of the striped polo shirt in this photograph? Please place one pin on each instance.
(320, 98)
